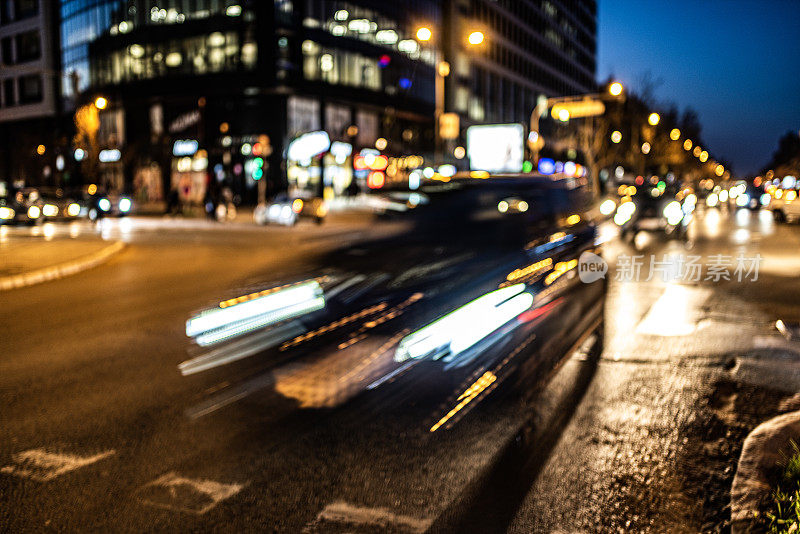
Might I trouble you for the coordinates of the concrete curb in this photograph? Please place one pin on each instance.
(61, 270)
(763, 449)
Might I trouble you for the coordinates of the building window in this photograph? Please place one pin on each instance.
(30, 89)
(8, 89)
(29, 46)
(5, 50)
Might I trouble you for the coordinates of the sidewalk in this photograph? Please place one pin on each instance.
(26, 261)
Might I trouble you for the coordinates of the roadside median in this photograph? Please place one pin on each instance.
(25, 264)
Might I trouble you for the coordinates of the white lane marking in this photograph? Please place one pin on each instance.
(179, 494)
(675, 313)
(40, 465)
(344, 513)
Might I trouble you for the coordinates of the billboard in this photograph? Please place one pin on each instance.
(496, 147)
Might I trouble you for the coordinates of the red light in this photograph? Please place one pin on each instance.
(384, 61)
(639, 180)
(376, 180)
(359, 163)
(257, 149)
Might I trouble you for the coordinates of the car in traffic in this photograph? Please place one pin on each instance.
(21, 206)
(656, 208)
(97, 203)
(288, 210)
(58, 205)
(480, 285)
(785, 204)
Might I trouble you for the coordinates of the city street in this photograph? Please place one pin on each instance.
(103, 432)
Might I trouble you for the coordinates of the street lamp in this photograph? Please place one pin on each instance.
(101, 102)
(654, 119)
(615, 89)
(616, 137)
(687, 145)
(424, 34)
(475, 38)
(675, 134)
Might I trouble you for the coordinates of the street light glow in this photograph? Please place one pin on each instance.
(424, 34)
(654, 119)
(100, 102)
(563, 115)
(615, 89)
(687, 145)
(616, 136)
(675, 134)
(475, 38)
(704, 156)
(645, 148)
(720, 170)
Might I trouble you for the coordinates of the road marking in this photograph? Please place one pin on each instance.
(359, 516)
(675, 313)
(179, 494)
(40, 465)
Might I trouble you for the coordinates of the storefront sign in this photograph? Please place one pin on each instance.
(109, 155)
(184, 121)
(496, 147)
(184, 147)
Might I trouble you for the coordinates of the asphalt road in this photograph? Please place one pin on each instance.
(102, 432)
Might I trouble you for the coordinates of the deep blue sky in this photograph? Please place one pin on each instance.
(737, 62)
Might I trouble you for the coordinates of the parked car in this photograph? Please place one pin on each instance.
(483, 288)
(287, 210)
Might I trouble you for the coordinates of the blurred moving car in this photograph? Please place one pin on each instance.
(785, 205)
(746, 195)
(656, 208)
(21, 206)
(491, 283)
(287, 210)
(95, 203)
(56, 205)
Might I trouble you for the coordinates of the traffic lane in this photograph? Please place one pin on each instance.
(653, 443)
(166, 429)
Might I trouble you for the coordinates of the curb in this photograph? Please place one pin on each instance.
(760, 453)
(61, 270)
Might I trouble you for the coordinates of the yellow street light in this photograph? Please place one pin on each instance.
(687, 145)
(697, 151)
(563, 115)
(40, 150)
(720, 170)
(100, 102)
(654, 119)
(703, 156)
(645, 148)
(424, 34)
(475, 38)
(615, 89)
(675, 134)
(616, 136)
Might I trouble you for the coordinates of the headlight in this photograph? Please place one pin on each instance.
(50, 210)
(34, 212)
(673, 212)
(723, 196)
(6, 213)
(125, 204)
(297, 205)
(712, 200)
(742, 200)
(73, 210)
(104, 204)
(608, 207)
(624, 213)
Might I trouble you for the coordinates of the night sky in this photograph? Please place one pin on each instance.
(737, 62)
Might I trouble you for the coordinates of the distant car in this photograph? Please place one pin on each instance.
(96, 203)
(746, 195)
(21, 206)
(287, 210)
(56, 205)
(785, 205)
(656, 209)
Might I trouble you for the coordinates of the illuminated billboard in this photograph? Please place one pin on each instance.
(496, 147)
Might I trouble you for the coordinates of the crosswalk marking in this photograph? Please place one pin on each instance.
(40, 465)
(195, 496)
(360, 516)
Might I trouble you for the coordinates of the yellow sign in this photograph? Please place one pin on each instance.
(579, 108)
(449, 126)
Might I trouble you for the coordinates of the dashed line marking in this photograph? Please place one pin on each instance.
(359, 516)
(42, 466)
(179, 494)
